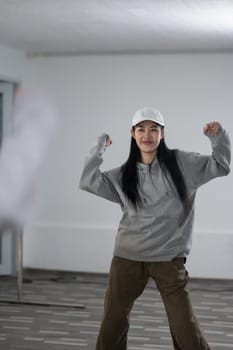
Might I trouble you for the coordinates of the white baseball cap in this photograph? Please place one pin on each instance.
(148, 113)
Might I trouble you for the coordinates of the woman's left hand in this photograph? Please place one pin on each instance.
(212, 129)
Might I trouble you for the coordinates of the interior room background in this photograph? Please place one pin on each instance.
(74, 230)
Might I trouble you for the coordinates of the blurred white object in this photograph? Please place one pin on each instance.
(23, 154)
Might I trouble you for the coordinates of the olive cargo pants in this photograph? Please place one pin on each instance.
(127, 280)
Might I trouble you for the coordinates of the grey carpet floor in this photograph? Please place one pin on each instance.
(26, 326)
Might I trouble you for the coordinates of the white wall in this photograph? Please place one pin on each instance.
(75, 230)
(13, 65)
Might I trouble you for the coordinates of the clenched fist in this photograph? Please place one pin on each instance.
(212, 129)
(108, 141)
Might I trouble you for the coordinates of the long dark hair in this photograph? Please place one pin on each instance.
(168, 163)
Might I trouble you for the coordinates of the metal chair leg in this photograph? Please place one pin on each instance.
(20, 265)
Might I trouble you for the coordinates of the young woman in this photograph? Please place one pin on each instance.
(156, 189)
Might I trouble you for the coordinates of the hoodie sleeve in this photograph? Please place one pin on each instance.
(92, 179)
(199, 169)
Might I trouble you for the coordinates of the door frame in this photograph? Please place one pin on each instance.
(8, 238)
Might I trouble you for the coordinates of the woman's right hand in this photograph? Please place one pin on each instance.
(108, 141)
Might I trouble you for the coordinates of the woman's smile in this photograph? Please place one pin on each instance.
(147, 142)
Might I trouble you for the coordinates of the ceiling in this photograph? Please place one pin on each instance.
(71, 27)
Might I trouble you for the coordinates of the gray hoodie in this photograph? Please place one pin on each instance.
(159, 230)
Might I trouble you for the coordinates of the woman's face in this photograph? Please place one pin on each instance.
(147, 135)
